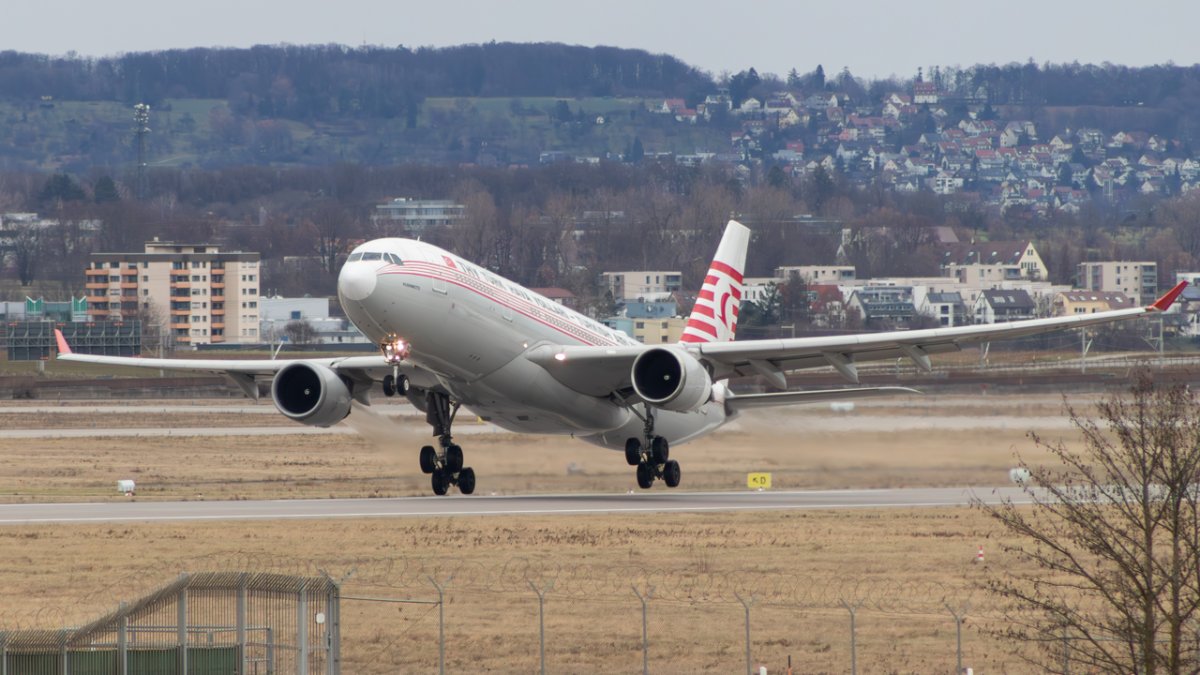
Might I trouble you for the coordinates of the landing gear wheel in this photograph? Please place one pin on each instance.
(466, 481)
(633, 451)
(645, 476)
(428, 459)
(671, 473)
(389, 386)
(401, 385)
(660, 452)
(441, 483)
(454, 458)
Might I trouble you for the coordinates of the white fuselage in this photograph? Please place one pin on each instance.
(470, 329)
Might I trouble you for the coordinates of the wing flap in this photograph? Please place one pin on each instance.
(748, 401)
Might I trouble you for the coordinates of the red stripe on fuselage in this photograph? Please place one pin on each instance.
(439, 273)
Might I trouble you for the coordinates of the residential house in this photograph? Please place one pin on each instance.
(828, 306)
(1074, 302)
(883, 306)
(1001, 306)
(948, 308)
(986, 263)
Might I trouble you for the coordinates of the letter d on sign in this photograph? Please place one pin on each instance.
(758, 481)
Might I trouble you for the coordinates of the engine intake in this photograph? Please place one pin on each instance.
(671, 378)
(311, 394)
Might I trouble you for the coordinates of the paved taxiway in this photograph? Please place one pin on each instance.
(574, 504)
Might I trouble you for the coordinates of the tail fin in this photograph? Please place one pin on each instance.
(714, 318)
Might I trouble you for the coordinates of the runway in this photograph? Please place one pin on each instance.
(434, 507)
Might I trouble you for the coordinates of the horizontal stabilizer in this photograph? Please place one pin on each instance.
(747, 401)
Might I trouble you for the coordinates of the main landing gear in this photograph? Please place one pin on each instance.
(651, 455)
(445, 467)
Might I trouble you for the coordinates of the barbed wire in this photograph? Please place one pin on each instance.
(581, 581)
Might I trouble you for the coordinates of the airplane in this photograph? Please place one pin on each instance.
(452, 334)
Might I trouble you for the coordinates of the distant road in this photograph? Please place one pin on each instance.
(428, 507)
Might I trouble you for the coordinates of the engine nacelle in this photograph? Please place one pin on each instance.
(671, 378)
(311, 394)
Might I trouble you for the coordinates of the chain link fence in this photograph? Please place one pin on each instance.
(446, 614)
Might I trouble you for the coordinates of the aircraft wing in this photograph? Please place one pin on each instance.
(242, 372)
(771, 358)
(604, 370)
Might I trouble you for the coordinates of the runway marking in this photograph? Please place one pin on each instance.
(654, 507)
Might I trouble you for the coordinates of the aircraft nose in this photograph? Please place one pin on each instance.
(356, 281)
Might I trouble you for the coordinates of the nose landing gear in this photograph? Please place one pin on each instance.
(445, 467)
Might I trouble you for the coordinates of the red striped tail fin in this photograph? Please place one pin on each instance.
(714, 318)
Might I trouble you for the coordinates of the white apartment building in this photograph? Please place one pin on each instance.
(1138, 280)
(201, 295)
(817, 274)
(642, 285)
(418, 215)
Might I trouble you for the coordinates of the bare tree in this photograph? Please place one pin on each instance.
(26, 246)
(1111, 545)
(301, 332)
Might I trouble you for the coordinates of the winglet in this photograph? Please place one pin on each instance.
(1163, 303)
(63, 347)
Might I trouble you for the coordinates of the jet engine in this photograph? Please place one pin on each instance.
(671, 378)
(311, 394)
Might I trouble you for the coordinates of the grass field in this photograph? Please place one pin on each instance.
(901, 565)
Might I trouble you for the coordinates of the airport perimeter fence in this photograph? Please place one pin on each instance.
(444, 614)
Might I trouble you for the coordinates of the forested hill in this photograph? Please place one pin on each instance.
(307, 82)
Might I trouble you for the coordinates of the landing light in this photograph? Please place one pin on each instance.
(560, 357)
(394, 349)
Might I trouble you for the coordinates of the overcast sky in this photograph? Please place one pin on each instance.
(874, 38)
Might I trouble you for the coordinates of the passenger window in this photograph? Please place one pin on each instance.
(372, 256)
(354, 257)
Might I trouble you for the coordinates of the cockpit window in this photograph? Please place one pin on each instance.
(372, 256)
(392, 258)
(354, 257)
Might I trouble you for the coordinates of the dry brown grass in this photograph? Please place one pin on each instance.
(593, 619)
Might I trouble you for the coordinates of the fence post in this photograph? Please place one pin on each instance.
(853, 609)
(66, 658)
(334, 629)
(441, 621)
(123, 641)
(746, 604)
(241, 622)
(302, 631)
(645, 599)
(181, 603)
(959, 614)
(541, 595)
